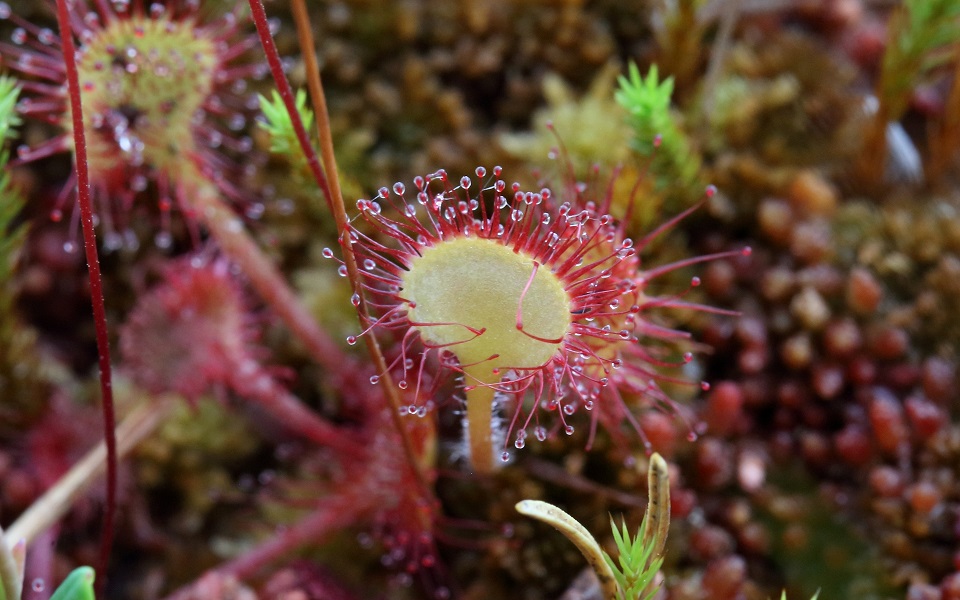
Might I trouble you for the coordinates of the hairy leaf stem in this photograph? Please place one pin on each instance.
(286, 94)
(317, 526)
(335, 201)
(96, 284)
(264, 276)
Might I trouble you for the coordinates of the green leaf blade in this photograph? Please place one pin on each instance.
(77, 586)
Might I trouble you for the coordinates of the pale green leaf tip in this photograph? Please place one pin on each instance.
(77, 586)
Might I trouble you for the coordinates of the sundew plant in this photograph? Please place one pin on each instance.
(557, 317)
(534, 302)
(306, 395)
(163, 85)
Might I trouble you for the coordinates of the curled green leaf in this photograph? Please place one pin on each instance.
(576, 533)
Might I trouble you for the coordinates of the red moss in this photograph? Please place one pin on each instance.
(938, 377)
(923, 496)
(950, 587)
(842, 338)
(827, 380)
(886, 418)
(714, 463)
(724, 578)
(864, 292)
(792, 394)
(776, 220)
(815, 448)
(304, 580)
(811, 242)
(926, 418)
(682, 502)
(796, 352)
(710, 542)
(886, 481)
(923, 591)
(852, 444)
(719, 279)
(754, 538)
(661, 431)
(862, 371)
(724, 410)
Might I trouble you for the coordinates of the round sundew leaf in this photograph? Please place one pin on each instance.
(144, 81)
(471, 285)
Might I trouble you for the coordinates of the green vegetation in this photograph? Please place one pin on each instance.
(636, 565)
(658, 134)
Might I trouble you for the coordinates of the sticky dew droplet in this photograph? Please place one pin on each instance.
(540, 432)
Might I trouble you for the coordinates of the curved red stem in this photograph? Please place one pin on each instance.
(286, 94)
(96, 287)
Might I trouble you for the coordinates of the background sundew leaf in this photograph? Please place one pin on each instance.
(77, 586)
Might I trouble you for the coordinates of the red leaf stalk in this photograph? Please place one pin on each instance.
(96, 286)
(286, 94)
(334, 201)
(264, 276)
(335, 198)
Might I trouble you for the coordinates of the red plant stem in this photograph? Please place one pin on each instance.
(319, 100)
(334, 200)
(257, 385)
(323, 521)
(286, 94)
(96, 287)
(233, 239)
